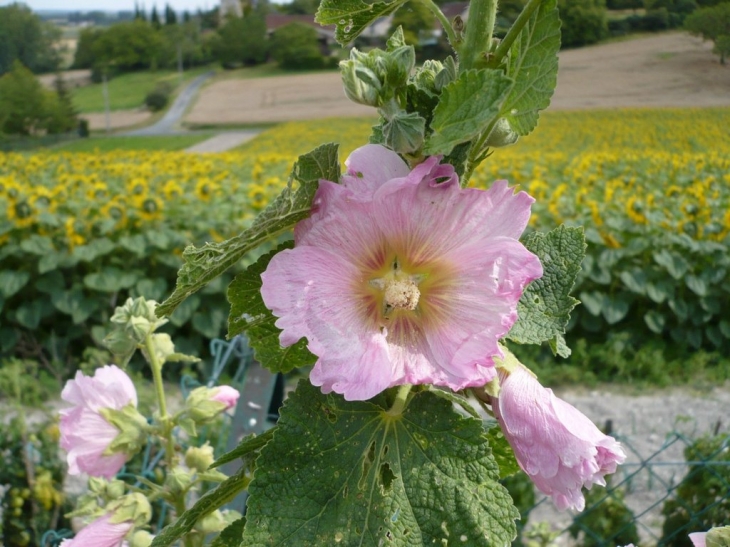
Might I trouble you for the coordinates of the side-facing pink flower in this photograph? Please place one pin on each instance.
(101, 533)
(402, 277)
(698, 539)
(85, 434)
(205, 403)
(555, 444)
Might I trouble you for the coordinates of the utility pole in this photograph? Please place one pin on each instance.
(105, 92)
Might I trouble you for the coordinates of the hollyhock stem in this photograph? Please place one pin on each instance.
(514, 32)
(479, 29)
(445, 23)
(400, 400)
(166, 421)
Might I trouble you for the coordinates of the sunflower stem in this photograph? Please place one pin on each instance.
(400, 400)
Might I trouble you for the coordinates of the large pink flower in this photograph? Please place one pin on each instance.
(402, 277)
(85, 434)
(555, 444)
(100, 533)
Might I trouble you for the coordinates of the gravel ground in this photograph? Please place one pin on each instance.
(653, 427)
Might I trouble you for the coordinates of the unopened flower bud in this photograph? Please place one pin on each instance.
(199, 458)
(115, 489)
(133, 507)
(211, 523)
(178, 480)
(141, 538)
(205, 403)
(138, 328)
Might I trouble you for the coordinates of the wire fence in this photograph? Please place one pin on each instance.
(655, 499)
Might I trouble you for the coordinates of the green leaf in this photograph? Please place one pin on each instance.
(93, 250)
(467, 106)
(75, 304)
(615, 308)
(210, 323)
(725, 328)
(135, 244)
(8, 338)
(50, 282)
(110, 279)
(231, 536)
(151, 289)
(655, 321)
(634, 280)
(351, 474)
(249, 445)
(674, 263)
(29, 314)
(185, 311)
(502, 451)
(250, 315)
(660, 290)
(11, 282)
(533, 65)
(202, 265)
(209, 502)
(37, 245)
(697, 285)
(352, 16)
(49, 262)
(545, 306)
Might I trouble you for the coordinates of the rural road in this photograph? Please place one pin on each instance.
(169, 124)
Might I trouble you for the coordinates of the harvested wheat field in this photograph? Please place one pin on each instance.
(671, 69)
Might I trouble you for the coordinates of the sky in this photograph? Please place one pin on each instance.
(113, 5)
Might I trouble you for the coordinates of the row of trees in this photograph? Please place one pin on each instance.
(24, 37)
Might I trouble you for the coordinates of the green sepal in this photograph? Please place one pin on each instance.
(133, 507)
(718, 537)
(133, 430)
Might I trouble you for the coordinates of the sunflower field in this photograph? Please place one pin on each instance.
(81, 232)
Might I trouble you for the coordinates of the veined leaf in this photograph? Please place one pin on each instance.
(202, 265)
(353, 16)
(349, 473)
(467, 106)
(544, 309)
(533, 66)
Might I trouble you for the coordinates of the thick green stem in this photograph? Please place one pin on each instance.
(431, 5)
(514, 32)
(479, 29)
(400, 400)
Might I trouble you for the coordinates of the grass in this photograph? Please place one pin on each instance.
(106, 144)
(126, 90)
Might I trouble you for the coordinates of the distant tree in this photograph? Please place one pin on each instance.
(296, 46)
(185, 38)
(208, 19)
(415, 18)
(297, 7)
(170, 15)
(241, 40)
(583, 22)
(26, 38)
(84, 56)
(61, 116)
(186, 16)
(155, 18)
(130, 45)
(21, 98)
(712, 23)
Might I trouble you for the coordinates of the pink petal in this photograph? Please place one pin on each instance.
(100, 533)
(226, 395)
(370, 166)
(698, 539)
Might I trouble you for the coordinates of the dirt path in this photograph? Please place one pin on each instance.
(671, 69)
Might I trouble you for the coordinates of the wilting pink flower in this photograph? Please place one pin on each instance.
(85, 434)
(226, 395)
(402, 277)
(698, 539)
(555, 444)
(100, 533)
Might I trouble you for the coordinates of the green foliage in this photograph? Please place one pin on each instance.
(158, 98)
(522, 491)
(583, 22)
(352, 473)
(416, 20)
(241, 40)
(712, 23)
(25, 383)
(296, 47)
(353, 16)
(606, 521)
(700, 501)
(130, 45)
(25, 38)
(208, 262)
(33, 475)
(250, 315)
(545, 306)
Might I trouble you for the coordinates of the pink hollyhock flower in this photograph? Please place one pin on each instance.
(402, 277)
(101, 533)
(554, 443)
(85, 434)
(698, 539)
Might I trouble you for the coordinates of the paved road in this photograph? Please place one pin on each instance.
(169, 124)
(223, 141)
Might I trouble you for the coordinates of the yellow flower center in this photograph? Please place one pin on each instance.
(399, 289)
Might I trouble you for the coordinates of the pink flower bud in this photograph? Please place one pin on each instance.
(226, 395)
(555, 444)
(100, 533)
